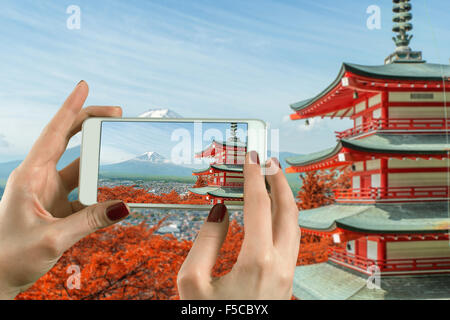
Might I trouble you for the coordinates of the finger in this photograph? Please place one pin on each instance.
(93, 111)
(70, 175)
(197, 268)
(257, 211)
(286, 232)
(88, 220)
(77, 206)
(52, 141)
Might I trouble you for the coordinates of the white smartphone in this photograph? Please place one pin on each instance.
(167, 163)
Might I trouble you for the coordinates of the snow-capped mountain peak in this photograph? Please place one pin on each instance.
(160, 113)
(151, 157)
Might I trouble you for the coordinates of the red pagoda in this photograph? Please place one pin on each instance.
(395, 219)
(224, 176)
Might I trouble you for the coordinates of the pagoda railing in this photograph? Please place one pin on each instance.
(388, 265)
(212, 183)
(392, 193)
(396, 124)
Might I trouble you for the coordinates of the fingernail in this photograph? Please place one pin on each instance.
(117, 211)
(254, 157)
(79, 83)
(277, 161)
(217, 213)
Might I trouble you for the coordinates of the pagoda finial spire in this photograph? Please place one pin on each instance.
(233, 137)
(402, 16)
(402, 25)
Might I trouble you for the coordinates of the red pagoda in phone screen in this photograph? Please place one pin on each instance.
(223, 180)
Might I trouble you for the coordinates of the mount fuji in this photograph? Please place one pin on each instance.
(160, 113)
(153, 157)
(147, 164)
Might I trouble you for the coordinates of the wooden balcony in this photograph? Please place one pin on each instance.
(417, 125)
(391, 265)
(400, 193)
(212, 183)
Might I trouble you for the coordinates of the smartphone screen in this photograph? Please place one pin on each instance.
(187, 163)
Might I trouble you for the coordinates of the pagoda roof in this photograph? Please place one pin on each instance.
(239, 144)
(201, 170)
(222, 167)
(202, 191)
(390, 218)
(380, 143)
(395, 71)
(229, 167)
(220, 192)
(228, 192)
(329, 281)
(221, 144)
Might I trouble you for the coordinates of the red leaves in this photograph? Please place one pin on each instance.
(313, 249)
(120, 262)
(201, 182)
(131, 262)
(317, 191)
(318, 186)
(131, 194)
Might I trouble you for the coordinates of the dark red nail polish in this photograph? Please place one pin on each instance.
(254, 157)
(117, 211)
(217, 213)
(277, 161)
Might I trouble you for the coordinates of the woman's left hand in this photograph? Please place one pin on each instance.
(37, 221)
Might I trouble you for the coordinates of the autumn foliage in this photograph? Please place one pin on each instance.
(126, 262)
(201, 182)
(318, 188)
(133, 262)
(132, 194)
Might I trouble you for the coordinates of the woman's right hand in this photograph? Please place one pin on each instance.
(266, 263)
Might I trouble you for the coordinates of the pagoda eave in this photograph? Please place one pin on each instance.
(376, 146)
(219, 192)
(387, 219)
(238, 168)
(356, 81)
(202, 172)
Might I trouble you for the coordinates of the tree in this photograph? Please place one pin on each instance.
(132, 262)
(201, 182)
(132, 194)
(127, 262)
(317, 188)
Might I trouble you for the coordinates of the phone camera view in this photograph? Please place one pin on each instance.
(185, 163)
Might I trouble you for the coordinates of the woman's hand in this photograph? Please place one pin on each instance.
(266, 264)
(37, 222)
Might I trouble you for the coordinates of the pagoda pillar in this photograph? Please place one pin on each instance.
(384, 109)
(381, 253)
(383, 177)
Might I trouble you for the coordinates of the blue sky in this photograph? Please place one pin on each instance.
(122, 141)
(247, 59)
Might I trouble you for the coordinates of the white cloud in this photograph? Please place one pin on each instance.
(3, 142)
(75, 140)
(311, 124)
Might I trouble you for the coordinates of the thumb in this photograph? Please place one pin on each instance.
(196, 269)
(89, 220)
